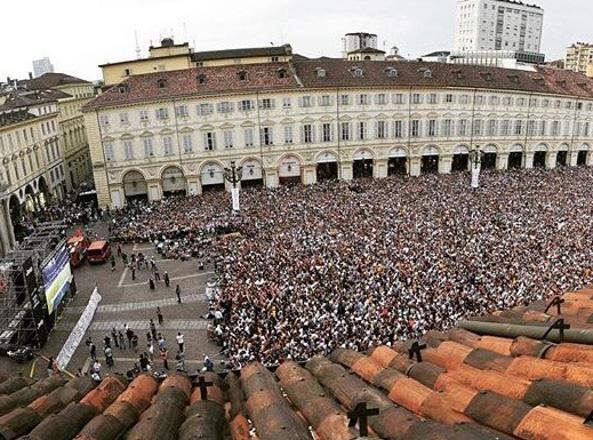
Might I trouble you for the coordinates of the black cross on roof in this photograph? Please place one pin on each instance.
(203, 385)
(416, 350)
(360, 414)
(560, 326)
(556, 301)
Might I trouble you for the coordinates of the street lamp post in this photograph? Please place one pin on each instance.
(233, 175)
(475, 157)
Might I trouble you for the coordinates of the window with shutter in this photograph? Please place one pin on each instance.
(326, 132)
(288, 134)
(228, 139)
(187, 143)
(248, 134)
(267, 136)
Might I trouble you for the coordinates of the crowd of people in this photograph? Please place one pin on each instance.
(179, 227)
(155, 348)
(71, 212)
(354, 264)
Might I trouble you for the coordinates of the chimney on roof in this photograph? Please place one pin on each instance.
(589, 71)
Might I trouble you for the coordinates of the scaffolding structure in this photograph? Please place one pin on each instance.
(24, 320)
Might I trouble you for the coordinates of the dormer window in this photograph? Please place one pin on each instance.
(427, 73)
(123, 88)
(282, 73)
(242, 75)
(486, 75)
(357, 72)
(201, 79)
(514, 78)
(162, 83)
(321, 73)
(392, 72)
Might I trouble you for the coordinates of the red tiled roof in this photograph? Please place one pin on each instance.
(184, 83)
(339, 73)
(24, 99)
(14, 117)
(268, 51)
(50, 80)
(465, 386)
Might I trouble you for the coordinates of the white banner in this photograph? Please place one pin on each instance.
(211, 290)
(235, 195)
(475, 177)
(79, 330)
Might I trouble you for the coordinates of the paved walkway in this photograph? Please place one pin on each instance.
(142, 305)
(171, 324)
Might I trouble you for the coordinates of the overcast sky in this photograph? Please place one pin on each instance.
(77, 36)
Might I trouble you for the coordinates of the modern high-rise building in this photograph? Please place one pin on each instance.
(42, 66)
(356, 41)
(495, 31)
(498, 25)
(579, 57)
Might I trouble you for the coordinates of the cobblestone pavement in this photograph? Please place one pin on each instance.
(128, 307)
(127, 301)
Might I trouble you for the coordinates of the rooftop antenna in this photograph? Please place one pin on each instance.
(138, 51)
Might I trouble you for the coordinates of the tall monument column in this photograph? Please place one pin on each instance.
(7, 239)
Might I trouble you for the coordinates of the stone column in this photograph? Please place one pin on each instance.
(445, 164)
(310, 174)
(117, 196)
(9, 224)
(380, 168)
(415, 166)
(346, 167)
(6, 241)
(572, 158)
(589, 158)
(36, 202)
(551, 160)
(194, 185)
(155, 190)
(502, 161)
(529, 159)
(271, 180)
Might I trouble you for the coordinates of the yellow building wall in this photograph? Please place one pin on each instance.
(73, 137)
(97, 159)
(116, 73)
(165, 51)
(239, 61)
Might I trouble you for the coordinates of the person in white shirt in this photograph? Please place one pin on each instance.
(180, 341)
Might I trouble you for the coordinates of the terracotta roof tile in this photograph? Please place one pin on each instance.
(467, 386)
(338, 74)
(184, 83)
(50, 80)
(268, 51)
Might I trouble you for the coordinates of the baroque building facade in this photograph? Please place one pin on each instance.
(72, 132)
(176, 132)
(31, 165)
